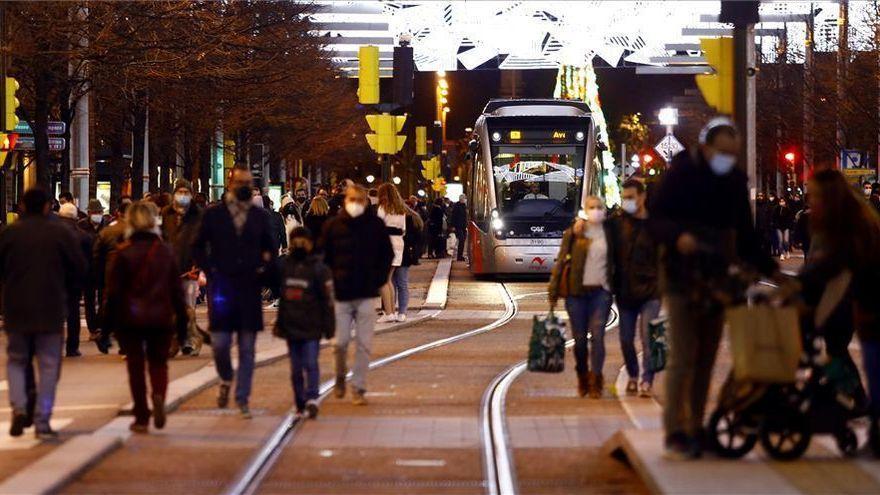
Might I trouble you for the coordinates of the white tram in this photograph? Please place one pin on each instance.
(532, 168)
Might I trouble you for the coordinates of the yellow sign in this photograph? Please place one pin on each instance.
(515, 135)
(558, 134)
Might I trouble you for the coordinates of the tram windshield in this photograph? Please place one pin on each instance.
(535, 181)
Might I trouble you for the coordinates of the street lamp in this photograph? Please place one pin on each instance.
(396, 180)
(668, 117)
(370, 179)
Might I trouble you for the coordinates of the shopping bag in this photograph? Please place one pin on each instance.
(765, 342)
(657, 346)
(547, 344)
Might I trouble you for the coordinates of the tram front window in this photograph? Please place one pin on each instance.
(538, 182)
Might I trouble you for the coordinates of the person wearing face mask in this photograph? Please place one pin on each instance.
(700, 212)
(235, 247)
(180, 226)
(783, 218)
(358, 250)
(305, 315)
(92, 226)
(583, 277)
(634, 282)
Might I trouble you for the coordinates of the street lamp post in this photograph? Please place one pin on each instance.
(669, 118)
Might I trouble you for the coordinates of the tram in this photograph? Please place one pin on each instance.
(531, 171)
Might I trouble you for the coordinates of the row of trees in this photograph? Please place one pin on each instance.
(184, 69)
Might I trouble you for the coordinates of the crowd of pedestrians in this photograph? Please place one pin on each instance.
(141, 272)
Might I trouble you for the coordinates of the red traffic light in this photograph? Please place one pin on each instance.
(790, 157)
(646, 158)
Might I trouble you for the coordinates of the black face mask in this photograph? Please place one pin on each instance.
(299, 253)
(300, 199)
(243, 193)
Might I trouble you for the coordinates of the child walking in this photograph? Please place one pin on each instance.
(305, 314)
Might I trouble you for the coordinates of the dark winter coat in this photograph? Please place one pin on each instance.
(235, 266)
(84, 243)
(41, 262)
(459, 218)
(715, 209)
(180, 231)
(358, 252)
(436, 221)
(633, 260)
(315, 224)
(305, 311)
(105, 248)
(412, 241)
(279, 232)
(783, 217)
(144, 293)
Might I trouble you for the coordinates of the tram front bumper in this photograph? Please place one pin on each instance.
(525, 259)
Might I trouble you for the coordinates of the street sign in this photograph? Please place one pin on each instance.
(668, 147)
(55, 128)
(858, 172)
(853, 159)
(26, 143)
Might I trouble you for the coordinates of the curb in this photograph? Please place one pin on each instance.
(52, 472)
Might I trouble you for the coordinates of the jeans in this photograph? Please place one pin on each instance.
(359, 313)
(73, 328)
(871, 362)
(784, 246)
(693, 337)
(150, 349)
(588, 315)
(304, 373)
(21, 349)
(221, 342)
(629, 317)
(460, 236)
(400, 281)
(190, 293)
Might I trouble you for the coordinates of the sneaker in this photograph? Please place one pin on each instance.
(311, 409)
(46, 433)
(244, 411)
(645, 391)
(139, 427)
(678, 447)
(631, 388)
(73, 353)
(159, 411)
(339, 387)
(781, 257)
(387, 318)
(223, 395)
(103, 344)
(358, 397)
(18, 424)
(401, 317)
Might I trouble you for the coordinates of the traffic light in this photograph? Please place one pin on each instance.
(431, 168)
(421, 140)
(10, 119)
(402, 82)
(368, 75)
(717, 88)
(385, 127)
(790, 157)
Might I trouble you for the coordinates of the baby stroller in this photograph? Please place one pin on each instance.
(825, 396)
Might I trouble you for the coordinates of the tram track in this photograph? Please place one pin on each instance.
(498, 463)
(260, 465)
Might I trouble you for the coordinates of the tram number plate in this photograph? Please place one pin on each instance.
(541, 242)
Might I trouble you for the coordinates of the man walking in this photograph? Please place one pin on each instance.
(234, 247)
(358, 251)
(702, 217)
(459, 220)
(634, 282)
(67, 214)
(180, 226)
(40, 261)
(92, 226)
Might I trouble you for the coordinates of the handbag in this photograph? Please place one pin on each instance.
(547, 344)
(657, 344)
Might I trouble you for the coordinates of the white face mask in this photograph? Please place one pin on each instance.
(182, 199)
(722, 163)
(595, 215)
(867, 192)
(630, 206)
(158, 221)
(96, 218)
(354, 209)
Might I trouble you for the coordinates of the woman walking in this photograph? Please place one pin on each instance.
(392, 211)
(319, 212)
(145, 305)
(582, 277)
(412, 251)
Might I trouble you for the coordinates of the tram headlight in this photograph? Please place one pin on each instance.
(496, 136)
(497, 224)
(494, 213)
(579, 135)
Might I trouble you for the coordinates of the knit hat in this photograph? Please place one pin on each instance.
(95, 206)
(182, 184)
(68, 210)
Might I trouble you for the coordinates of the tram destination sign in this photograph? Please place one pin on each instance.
(558, 135)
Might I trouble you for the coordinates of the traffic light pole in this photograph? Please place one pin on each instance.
(743, 15)
(3, 57)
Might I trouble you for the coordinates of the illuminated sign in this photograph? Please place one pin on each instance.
(515, 135)
(558, 134)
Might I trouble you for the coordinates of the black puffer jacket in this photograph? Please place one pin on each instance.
(306, 308)
(358, 252)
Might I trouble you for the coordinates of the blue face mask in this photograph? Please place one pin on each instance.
(722, 163)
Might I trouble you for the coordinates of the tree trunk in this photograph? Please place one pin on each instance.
(117, 163)
(40, 128)
(66, 113)
(205, 166)
(139, 125)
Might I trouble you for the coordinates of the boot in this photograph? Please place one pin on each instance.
(159, 411)
(341, 371)
(595, 385)
(583, 384)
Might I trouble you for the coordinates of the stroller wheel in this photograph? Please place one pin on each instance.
(730, 435)
(785, 437)
(847, 442)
